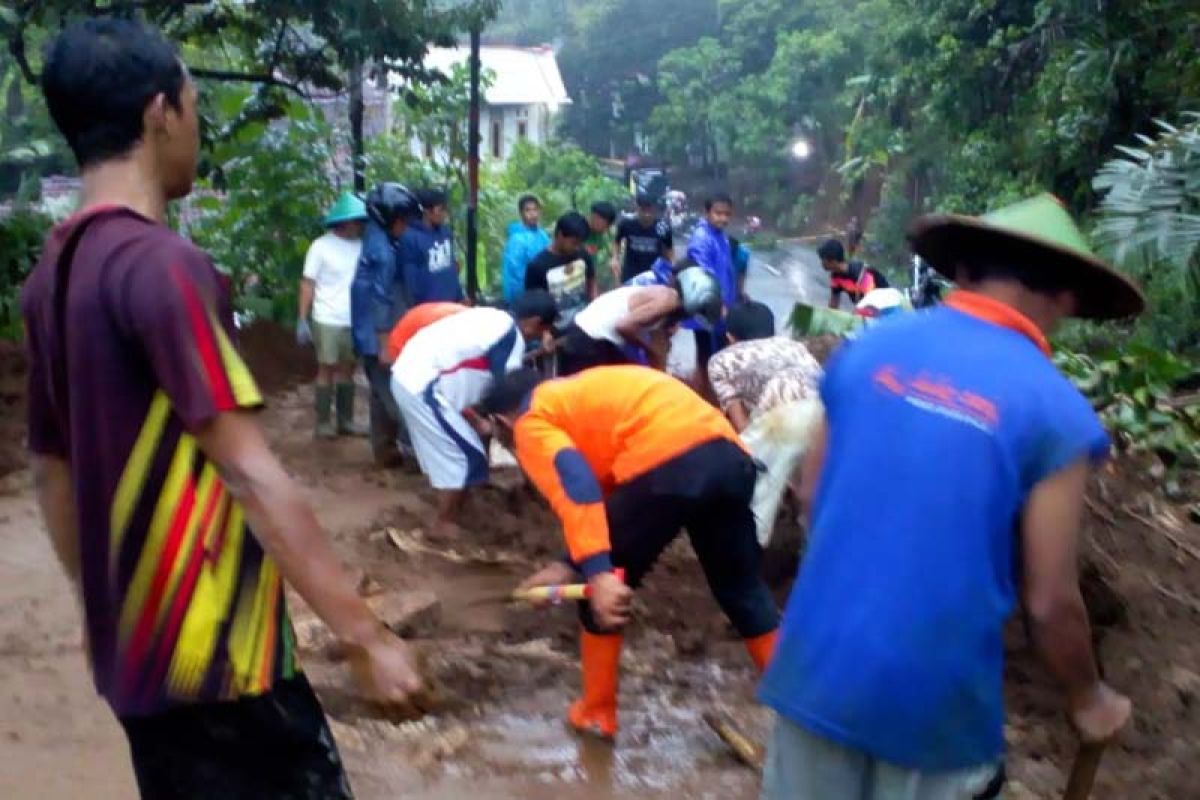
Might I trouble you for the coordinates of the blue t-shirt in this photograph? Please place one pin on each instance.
(940, 425)
(427, 262)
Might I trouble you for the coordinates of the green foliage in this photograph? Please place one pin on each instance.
(275, 195)
(1150, 223)
(21, 236)
(1132, 390)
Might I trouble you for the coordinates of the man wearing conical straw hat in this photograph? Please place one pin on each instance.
(888, 675)
(325, 299)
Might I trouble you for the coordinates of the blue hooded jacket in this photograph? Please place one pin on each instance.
(523, 245)
(710, 249)
(661, 273)
(377, 297)
(427, 264)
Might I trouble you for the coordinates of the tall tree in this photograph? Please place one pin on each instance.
(275, 45)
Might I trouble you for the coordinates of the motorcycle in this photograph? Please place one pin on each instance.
(926, 285)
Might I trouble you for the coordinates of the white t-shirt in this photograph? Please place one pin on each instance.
(599, 320)
(463, 353)
(330, 264)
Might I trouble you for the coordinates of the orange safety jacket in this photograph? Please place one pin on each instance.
(417, 318)
(583, 436)
(856, 289)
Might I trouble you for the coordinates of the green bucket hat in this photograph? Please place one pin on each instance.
(1037, 234)
(348, 208)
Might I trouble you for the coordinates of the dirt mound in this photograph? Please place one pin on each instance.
(12, 407)
(275, 360)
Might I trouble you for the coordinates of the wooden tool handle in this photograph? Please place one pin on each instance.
(1083, 772)
(557, 593)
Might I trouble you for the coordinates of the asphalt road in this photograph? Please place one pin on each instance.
(780, 277)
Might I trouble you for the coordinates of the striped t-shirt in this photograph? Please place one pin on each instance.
(181, 603)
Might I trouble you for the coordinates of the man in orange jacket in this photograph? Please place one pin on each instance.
(627, 456)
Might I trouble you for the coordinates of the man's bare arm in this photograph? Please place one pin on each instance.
(1059, 622)
(307, 290)
(55, 496)
(1058, 619)
(285, 525)
(736, 412)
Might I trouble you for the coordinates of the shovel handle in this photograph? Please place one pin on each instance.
(557, 593)
(1083, 772)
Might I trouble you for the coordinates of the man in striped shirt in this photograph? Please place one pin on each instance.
(173, 519)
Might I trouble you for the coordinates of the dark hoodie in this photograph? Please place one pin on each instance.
(427, 264)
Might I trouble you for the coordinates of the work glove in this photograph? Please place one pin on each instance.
(303, 333)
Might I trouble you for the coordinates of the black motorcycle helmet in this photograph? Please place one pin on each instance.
(388, 202)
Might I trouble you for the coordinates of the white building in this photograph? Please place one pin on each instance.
(522, 102)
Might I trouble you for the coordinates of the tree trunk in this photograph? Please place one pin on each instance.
(357, 145)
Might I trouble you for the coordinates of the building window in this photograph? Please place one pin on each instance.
(522, 130)
(497, 139)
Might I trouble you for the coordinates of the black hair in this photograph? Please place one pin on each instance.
(1033, 279)
(572, 225)
(831, 250)
(98, 78)
(535, 303)
(525, 200)
(605, 210)
(750, 320)
(431, 198)
(510, 391)
(717, 197)
(646, 200)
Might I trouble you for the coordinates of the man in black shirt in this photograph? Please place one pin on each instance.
(565, 269)
(854, 279)
(646, 238)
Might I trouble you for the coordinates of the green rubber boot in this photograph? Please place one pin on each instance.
(324, 406)
(345, 412)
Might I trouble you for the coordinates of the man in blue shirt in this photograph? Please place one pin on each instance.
(888, 674)
(377, 301)
(709, 247)
(427, 254)
(526, 240)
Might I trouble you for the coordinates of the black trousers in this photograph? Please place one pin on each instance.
(707, 491)
(276, 746)
(579, 351)
(386, 426)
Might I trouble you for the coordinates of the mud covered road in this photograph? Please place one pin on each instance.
(509, 673)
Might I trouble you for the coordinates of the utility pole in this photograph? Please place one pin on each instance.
(473, 171)
(357, 144)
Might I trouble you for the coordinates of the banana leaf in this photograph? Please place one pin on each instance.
(809, 320)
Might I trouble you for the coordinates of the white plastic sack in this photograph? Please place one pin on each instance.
(779, 438)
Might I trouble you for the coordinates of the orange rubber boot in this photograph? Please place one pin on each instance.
(596, 711)
(761, 648)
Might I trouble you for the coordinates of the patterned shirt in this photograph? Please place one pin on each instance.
(181, 603)
(764, 374)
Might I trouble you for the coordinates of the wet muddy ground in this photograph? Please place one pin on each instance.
(509, 673)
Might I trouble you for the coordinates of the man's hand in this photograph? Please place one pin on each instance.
(611, 600)
(387, 673)
(303, 333)
(553, 574)
(549, 343)
(1099, 714)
